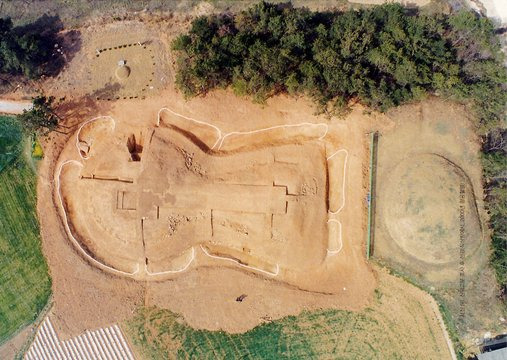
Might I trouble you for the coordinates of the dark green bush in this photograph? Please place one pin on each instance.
(382, 56)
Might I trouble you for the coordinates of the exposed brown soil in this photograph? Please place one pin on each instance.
(213, 286)
(258, 199)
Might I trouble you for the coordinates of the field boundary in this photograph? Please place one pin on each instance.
(370, 237)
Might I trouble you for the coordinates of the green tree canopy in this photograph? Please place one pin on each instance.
(383, 56)
(41, 118)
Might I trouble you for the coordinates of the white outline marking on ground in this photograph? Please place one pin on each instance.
(86, 123)
(335, 252)
(191, 119)
(271, 128)
(67, 227)
(240, 264)
(172, 271)
(221, 138)
(344, 177)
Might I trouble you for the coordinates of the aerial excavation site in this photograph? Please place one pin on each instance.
(242, 179)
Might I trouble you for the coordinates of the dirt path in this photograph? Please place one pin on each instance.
(438, 315)
(14, 107)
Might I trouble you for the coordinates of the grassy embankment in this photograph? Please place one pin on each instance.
(25, 285)
(397, 324)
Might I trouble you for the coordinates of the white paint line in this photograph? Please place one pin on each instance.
(335, 252)
(272, 128)
(242, 265)
(67, 227)
(172, 271)
(344, 178)
(220, 140)
(106, 117)
(219, 132)
(221, 137)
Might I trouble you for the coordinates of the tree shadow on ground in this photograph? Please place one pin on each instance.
(73, 112)
(62, 45)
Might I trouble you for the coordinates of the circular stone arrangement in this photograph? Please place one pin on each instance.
(122, 72)
(429, 209)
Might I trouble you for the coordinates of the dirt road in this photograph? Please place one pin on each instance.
(14, 107)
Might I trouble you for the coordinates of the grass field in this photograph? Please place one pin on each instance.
(399, 324)
(10, 140)
(25, 285)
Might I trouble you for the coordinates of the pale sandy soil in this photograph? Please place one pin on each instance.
(11, 348)
(495, 9)
(14, 107)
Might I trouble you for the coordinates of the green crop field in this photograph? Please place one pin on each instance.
(25, 285)
(10, 140)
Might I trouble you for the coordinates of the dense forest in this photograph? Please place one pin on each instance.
(381, 56)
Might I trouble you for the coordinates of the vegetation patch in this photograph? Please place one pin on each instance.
(29, 50)
(10, 139)
(494, 162)
(37, 151)
(382, 56)
(399, 324)
(25, 285)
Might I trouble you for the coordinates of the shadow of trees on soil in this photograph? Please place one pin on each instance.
(63, 44)
(73, 112)
(43, 46)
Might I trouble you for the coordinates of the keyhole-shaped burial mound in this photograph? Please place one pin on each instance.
(261, 207)
(430, 209)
